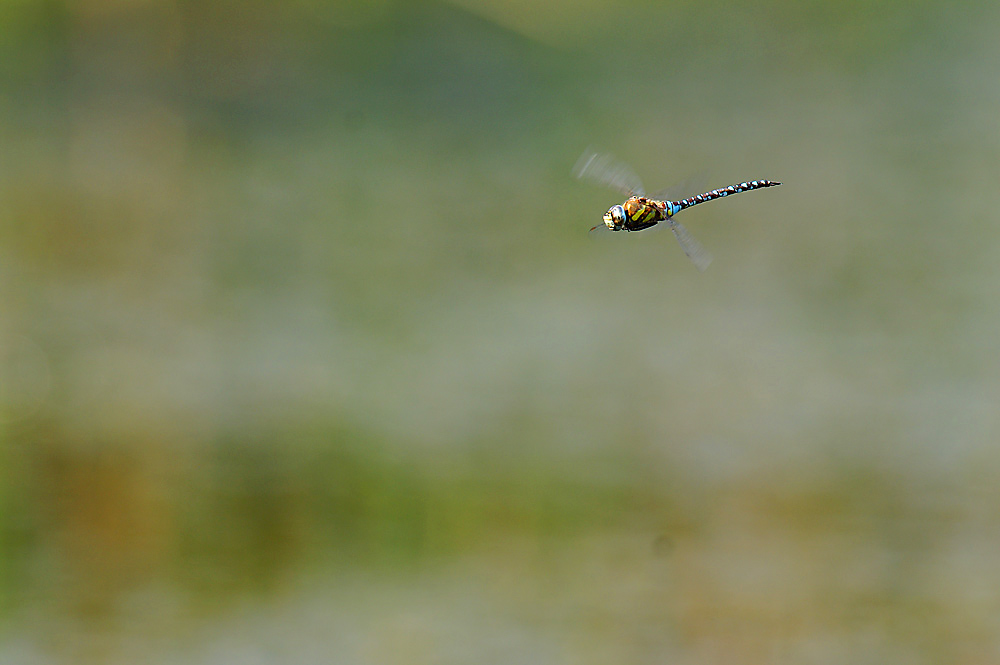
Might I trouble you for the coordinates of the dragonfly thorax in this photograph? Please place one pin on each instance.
(614, 218)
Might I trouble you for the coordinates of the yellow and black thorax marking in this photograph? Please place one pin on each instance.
(641, 213)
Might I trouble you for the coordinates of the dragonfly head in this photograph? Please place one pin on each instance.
(614, 219)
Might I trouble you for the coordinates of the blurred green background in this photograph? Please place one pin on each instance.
(305, 355)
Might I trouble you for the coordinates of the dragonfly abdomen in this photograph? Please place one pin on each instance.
(725, 191)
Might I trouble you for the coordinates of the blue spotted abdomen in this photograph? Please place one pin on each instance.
(677, 206)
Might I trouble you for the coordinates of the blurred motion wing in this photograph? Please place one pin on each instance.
(604, 169)
(692, 248)
(692, 186)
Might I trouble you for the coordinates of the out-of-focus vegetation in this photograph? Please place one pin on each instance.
(305, 355)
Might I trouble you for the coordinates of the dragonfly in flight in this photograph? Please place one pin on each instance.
(640, 212)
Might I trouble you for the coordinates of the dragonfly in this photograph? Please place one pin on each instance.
(640, 212)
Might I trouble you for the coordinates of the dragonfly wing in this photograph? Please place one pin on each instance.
(692, 248)
(692, 186)
(604, 169)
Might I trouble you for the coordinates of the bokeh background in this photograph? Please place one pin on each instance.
(306, 356)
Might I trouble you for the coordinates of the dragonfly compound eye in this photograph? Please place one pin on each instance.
(614, 218)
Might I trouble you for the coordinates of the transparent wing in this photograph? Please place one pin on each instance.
(692, 186)
(604, 169)
(692, 248)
